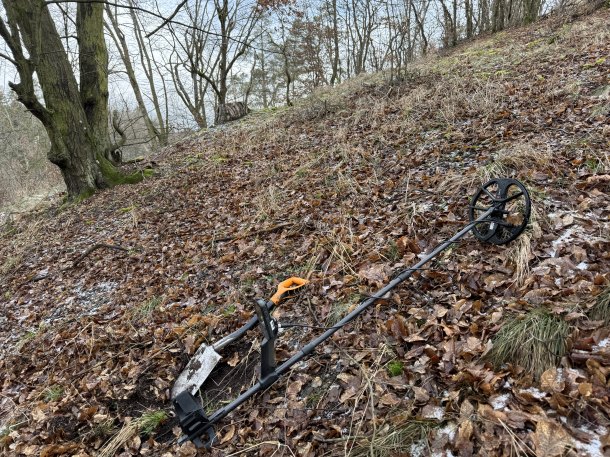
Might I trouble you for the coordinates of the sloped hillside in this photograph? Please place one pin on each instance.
(103, 302)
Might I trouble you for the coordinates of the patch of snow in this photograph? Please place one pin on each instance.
(534, 392)
(443, 453)
(582, 266)
(602, 344)
(594, 447)
(449, 430)
(433, 412)
(419, 449)
(89, 300)
(499, 401)
(564, 238)
(95, 296)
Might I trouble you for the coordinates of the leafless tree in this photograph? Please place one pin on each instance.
(120, 41)
(233, 23)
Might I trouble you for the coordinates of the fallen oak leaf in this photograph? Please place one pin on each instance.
(433, 412)
(552, 381)
(585, 389)
(58, 449)
(293, 389)
(550, 439)
(229, 435)
(421, 394)
(389, 399)
(463, 442)
(374, 274)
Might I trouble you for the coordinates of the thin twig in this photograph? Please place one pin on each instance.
(98, 246)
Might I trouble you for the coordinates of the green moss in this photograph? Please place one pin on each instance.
(598, 62)
(115, 177)
(533, 44)
(395, 368)
(83, 196)
(127, 209)
(229, 310)
(218, 159)
(54, 393)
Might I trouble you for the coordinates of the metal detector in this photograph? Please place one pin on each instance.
(499, 212)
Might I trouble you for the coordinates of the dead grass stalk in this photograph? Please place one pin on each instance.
(601, 309)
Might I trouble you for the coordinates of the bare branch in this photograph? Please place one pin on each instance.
(168, 20)
(163, 18)
(9, 58)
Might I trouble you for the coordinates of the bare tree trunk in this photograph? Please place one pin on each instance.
(497, 19)
(335, 63)
(145, 60)
(228, 21)
(532, 10)
(469, 22)
(119, 40)
(419, 19)
(194, 105)
(484, 13)
(222, 10)
(194, 61)
(265, 94)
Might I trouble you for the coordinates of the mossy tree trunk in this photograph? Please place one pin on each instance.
(76, 120)
(93, 68)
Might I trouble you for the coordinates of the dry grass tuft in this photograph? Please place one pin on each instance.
(396, 440)
(520, 252)
(146, 309)
(268, 203)
(598, 162)
(520, 158)
(601, 309)
(536, 342)
(145, 424)
(126, 433)
(340, 245)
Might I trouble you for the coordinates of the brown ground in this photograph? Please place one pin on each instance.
(346, 188)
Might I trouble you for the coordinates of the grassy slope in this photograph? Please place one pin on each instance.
(345, 188)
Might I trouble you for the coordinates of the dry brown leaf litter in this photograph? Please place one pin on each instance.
(359, 181)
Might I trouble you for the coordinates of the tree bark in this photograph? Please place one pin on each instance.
(93, 69)
(335, 65)
(468, 13)
(73, 144)
(422, 30)
(73, 119)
